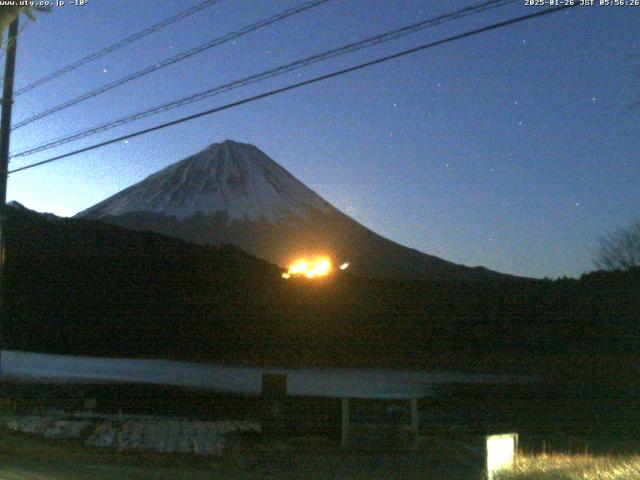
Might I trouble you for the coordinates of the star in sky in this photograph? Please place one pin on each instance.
(481, 123)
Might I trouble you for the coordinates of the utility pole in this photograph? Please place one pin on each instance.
(5, 134)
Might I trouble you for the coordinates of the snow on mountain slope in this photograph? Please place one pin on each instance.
(232, 193)
(228, 177)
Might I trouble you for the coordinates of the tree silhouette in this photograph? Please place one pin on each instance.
(620, 249)
(9, 13)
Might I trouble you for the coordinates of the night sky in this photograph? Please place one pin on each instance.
(513, 149)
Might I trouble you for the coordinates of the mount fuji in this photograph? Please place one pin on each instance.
(234, 193)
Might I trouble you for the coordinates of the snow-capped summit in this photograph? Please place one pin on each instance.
(233, 193)
(235, 178)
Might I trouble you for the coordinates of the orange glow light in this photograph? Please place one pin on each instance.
(319, 267)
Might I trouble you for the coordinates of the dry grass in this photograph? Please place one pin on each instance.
(574, 467)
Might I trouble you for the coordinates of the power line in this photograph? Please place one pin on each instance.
(170, 61)
(111, 48)
(300, 84)
(345, 49)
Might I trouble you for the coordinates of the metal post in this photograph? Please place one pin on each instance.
(5, 134)
(414, 423)
(274, 393)
(345, 422)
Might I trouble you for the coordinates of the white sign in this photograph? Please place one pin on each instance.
(501, 452)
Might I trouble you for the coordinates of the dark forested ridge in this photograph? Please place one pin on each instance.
(85, 287)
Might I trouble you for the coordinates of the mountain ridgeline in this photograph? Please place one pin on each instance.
(233, 193)
(87, 287)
